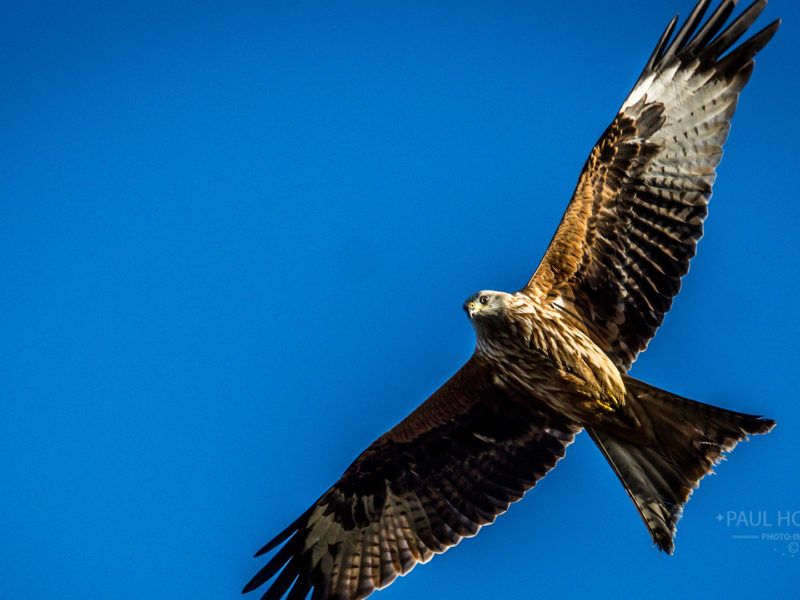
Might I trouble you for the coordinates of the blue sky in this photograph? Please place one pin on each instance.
(235, 241)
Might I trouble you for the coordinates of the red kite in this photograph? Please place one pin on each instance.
(552, 358)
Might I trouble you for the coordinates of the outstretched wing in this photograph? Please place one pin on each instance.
(450, 467)
(633, 223)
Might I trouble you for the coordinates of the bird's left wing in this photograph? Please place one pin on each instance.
(617, 259)
(450, 467)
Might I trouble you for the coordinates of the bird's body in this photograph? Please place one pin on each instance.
(552, 358)
(541, 349)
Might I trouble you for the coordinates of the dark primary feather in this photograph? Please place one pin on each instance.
(686, 31)
(636, 215)
(452, 466)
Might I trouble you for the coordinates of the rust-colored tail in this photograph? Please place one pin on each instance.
(685, 440)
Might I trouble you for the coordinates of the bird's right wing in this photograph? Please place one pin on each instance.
(632, 226)
(450, 467)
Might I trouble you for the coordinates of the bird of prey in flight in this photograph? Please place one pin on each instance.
(552, 359)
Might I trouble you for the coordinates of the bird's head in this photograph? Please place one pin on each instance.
(486, 304)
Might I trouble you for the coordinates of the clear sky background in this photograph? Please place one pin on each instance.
(235, 241)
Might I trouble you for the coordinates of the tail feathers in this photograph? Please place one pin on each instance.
(685, 439)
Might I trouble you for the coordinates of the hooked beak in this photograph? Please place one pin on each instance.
(469, 308)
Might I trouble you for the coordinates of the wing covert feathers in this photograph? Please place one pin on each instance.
(637, 213)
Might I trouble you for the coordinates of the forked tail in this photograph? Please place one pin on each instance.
(686, 439)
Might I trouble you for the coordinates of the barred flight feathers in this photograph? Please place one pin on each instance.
(634, 220)
(449, 468)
